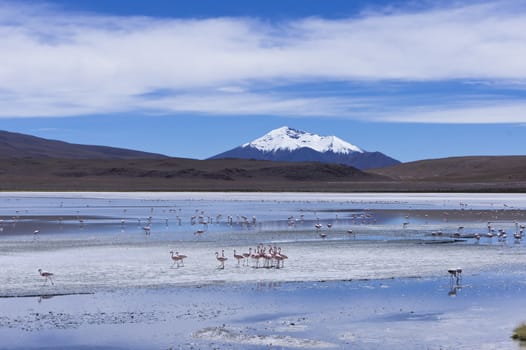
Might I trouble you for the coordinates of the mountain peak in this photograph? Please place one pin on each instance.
(291, 145)
(289, 139)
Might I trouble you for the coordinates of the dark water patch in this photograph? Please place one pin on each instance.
(442, 241)
(44, 296)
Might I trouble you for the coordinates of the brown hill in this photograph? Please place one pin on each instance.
(176, 174)
(15, 145)
(474, 169)
(464, 174)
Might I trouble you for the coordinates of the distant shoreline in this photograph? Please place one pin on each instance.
(279, 188)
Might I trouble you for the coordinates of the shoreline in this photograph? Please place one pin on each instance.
(307, 188)
(272, 195)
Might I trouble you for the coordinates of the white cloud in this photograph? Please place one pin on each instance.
(499, 112)
(254, 104)
(231, 89)
(61, 64)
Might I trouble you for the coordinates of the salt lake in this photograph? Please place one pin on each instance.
(364, 271)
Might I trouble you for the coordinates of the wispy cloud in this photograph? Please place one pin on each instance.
(64, 64)
(499, 112)
(256, 104)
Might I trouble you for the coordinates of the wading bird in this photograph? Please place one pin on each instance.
(46, 275)
(221, 260)
(239, 257)
(177, 258)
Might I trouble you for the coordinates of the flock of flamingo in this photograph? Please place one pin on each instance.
(260, 257)
(272, 256)
(500, 233)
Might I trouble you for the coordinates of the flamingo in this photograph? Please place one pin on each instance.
(47, 276)
(181, 256)
(199, 233)
(279, 260)
(283, 257)
(247, 255)
(221, 260)
(267, 257)
(238, 257)
(255, 257)
(178, 258)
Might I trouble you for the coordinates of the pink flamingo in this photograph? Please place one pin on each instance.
(255, 257)
(283, 257)
(238, 257)
(178, 258)
(221, 260)
(247, 255)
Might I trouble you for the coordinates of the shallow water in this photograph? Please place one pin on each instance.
(253, 218)
(387, 282)
(419, 313)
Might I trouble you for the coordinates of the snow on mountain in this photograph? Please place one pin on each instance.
(290, 145)
(288, 139)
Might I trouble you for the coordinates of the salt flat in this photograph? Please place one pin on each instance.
(376, 262)
(86, 268)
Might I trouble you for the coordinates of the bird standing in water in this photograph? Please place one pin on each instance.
(47, 276)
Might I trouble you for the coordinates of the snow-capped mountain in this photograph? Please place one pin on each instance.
(288, 139)
(291, 145)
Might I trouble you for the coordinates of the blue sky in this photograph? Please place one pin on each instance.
(414, 80)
